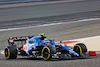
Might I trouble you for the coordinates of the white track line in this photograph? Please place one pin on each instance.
(87, 38)
(1, 51)
(78, 21)
(36, 3)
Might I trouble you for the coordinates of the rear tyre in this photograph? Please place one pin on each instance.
(46, 53)
(80, 48)
(10, 52)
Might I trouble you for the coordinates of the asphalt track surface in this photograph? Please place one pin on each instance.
(48, 13)
(66, 31)
(93, 61)
(58, 32)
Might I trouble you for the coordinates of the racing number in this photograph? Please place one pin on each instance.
(25, 47)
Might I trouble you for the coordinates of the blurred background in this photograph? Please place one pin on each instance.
(20, 1)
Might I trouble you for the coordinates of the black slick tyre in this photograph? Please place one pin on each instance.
(80, 48)
(10, 52)
(46, 53)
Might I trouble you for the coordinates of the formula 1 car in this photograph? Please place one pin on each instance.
(39, 47)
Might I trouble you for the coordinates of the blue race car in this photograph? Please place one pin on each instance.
(39, 47)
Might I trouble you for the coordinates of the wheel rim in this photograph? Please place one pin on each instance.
(7, 53)
(78, 49)
(45, 53)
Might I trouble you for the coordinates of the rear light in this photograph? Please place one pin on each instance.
(57, 54)
(11, 41)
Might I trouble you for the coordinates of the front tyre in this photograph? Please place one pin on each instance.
(10, 52)
(46, 53)
(80, 48)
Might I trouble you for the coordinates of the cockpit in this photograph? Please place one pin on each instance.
(49, 41)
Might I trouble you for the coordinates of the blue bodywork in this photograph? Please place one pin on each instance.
(35, 41)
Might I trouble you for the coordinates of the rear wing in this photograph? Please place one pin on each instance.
(11, 40)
